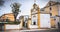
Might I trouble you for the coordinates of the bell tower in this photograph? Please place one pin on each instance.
(35, 15)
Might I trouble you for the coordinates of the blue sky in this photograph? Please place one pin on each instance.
(25, 8)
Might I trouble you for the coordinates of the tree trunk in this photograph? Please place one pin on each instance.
(14, 18)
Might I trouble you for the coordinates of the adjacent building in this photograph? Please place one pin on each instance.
(39, 19)
(47, 17)
(8, 16)
(53, 8)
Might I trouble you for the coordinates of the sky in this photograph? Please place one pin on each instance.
(26, 6)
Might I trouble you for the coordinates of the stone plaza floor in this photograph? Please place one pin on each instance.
(34, 30)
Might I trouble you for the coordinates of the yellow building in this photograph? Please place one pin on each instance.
(39, 18)
(8, 16)
(54, 9)
(47, 15)
(12, 26)
(35, 14)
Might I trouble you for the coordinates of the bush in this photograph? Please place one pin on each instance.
(12, 22)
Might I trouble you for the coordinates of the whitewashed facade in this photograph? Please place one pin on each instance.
(45, 21)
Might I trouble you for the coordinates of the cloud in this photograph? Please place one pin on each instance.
(1, 2)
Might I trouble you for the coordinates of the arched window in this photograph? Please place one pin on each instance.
(50, 8)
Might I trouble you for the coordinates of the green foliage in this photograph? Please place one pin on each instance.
(16, 22)
(15, 9)
(10, 22)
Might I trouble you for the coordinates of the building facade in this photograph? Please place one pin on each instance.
(35, 15)
(8, 16)
(39, 19)
(54, 9)
(50, 12)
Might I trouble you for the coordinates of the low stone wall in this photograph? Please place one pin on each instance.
(13, 26)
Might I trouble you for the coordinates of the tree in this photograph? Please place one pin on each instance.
(15, 9)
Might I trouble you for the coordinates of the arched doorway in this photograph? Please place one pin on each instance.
(25, 24)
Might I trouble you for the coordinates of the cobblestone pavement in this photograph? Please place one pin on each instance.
(51, 30)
